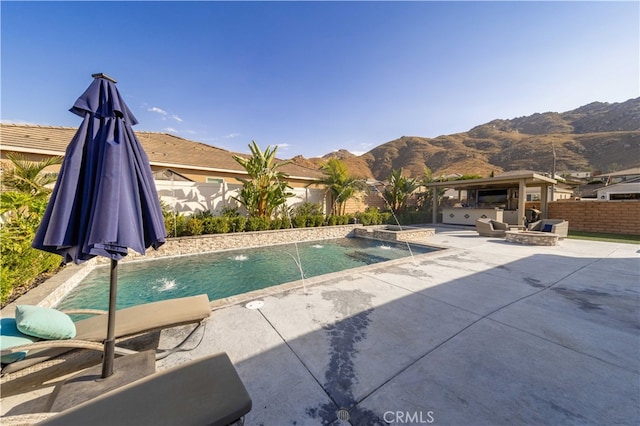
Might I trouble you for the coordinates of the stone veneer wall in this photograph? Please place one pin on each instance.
(394, 233)
(215, 242)
(537, 239)
(616, 217)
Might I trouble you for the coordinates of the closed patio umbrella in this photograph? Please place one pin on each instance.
(104, 201)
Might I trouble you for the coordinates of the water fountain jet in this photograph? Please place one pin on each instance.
(376, 190)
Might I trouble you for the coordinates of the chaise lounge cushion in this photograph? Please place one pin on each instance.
(206, 391)
(45, 323)
(147, 317)
(11, 337)
(129, 322)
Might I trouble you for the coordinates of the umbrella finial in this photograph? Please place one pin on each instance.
(102, 75)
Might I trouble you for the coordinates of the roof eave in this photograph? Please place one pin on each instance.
(218, 170)
(33, 150)
(531, 179)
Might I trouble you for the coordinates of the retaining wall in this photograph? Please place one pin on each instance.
(616, 217)
(394, 233)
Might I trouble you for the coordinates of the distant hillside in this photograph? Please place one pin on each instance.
(357, 165)
(597, 136)
(597, 117)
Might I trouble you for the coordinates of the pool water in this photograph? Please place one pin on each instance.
(229, 273)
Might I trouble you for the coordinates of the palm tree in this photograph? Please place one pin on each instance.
(425, 199)
(399, 190)
(340, 185)
(266, 189)
(23, 200)
(27, 176)
(25, 185)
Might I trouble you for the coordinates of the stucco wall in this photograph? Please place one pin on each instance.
(617, 217)
(192, 197)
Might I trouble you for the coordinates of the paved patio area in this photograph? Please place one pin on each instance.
(484, 333)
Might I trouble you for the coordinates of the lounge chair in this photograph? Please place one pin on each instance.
(91, 332)
(555, 226)
(491, 228)
(206, 391)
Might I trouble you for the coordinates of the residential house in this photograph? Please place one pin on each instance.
(627, 190)
(190, 176)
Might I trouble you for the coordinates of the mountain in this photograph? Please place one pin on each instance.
(357, 165)
(598, 136)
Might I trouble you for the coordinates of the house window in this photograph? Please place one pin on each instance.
(214, 180)
(627, 196)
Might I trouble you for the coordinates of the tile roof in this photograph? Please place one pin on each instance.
(161, 148)
(628, 172)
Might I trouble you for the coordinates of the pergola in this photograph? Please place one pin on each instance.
(520, 180)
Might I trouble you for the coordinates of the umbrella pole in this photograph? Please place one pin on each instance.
(110, 342)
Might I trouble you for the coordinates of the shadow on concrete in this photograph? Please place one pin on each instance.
(456, 338)
(544, 340)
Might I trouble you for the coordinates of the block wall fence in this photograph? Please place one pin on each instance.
(360, 203)
(616, 217)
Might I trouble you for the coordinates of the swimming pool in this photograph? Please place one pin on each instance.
(229, 273)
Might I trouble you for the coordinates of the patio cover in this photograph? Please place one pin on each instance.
(519, 179)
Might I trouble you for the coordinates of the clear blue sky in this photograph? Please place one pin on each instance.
(314, 77)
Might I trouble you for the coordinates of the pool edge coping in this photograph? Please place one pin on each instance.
(55, 288)
(318, 280)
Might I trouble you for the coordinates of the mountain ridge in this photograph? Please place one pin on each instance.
(597, 136)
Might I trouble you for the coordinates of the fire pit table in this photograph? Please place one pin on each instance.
(535, 238)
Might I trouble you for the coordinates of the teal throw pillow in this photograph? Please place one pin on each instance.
(45, 323)
(10, 336)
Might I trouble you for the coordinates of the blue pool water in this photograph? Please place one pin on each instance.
(229, 273)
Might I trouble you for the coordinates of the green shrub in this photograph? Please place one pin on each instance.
(203, 214)
(387, 219)
(300, 220)
(286, 223)
(411, 218)
(230, 212)
(217, 225)
(208, 225)
(194, 226)
(338, 219)
(308, 209)
(373, 216)
(280, 223)
(237, 224)
(21, 268)
(256, 223)
(308, 215)
(368, 218)
(175, 225)
(317, 220)
(21, 264)
(275, 224)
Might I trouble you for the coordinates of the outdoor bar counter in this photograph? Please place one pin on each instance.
(468, 215)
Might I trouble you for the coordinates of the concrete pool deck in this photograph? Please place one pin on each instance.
(487, 332)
